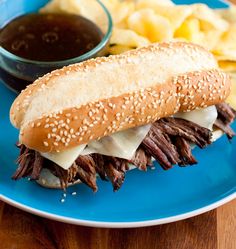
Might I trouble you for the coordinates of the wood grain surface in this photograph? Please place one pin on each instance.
(212, 230)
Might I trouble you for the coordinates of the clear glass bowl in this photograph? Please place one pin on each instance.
(17, 72)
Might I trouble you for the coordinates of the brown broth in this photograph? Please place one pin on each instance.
(50, 37)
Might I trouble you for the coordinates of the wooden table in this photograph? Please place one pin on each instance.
(212, 230)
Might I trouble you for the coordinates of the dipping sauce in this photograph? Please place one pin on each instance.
(50, 37)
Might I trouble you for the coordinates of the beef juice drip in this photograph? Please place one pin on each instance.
(47, 38)
(50, 37)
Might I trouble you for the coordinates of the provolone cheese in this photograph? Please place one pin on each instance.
(121, 144)
(66, 158)
(204, 117)
(216, 134)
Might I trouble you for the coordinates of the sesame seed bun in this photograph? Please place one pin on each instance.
(92, 99)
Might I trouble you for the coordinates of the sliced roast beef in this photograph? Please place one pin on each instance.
(185, 152)
(141, 159)
(226, 115)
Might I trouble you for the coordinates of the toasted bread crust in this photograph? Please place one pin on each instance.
(126, 73)
(76, 126)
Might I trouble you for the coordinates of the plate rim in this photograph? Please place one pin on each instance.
(130, 224)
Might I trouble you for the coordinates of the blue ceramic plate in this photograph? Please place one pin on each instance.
(150, 198)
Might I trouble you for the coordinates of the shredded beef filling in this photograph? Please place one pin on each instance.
(168, 141)
(226, 115)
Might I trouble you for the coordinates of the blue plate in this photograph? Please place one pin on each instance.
(150, 198)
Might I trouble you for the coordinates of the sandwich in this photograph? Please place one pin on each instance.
(107, 115)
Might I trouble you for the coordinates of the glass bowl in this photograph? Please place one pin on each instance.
(17, 72)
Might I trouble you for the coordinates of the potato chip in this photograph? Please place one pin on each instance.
(209, 19)
(232, 97)
(88, 9)
(210, 38)
(52, 6)
(175, 14)
(147, 23)
(227, 66)
(128, 38)
(225, 55)
(153, 3)
(121, 12)
(190, 30)
(111, 4)
(228, 14)
(226, 47)
(69, 6)
(118, 49)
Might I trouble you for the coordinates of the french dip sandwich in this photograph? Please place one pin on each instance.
(109, 114)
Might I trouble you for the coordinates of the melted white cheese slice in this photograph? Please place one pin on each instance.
(66, 158)
(204, 117)
(121, 144)
(216, 135)
(124, 144)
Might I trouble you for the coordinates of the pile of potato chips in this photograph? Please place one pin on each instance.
(140, 22)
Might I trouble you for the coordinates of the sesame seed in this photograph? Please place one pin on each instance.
(45, 144)
(71, 131)
(58, 138)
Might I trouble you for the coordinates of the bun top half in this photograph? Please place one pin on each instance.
(98, 97)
